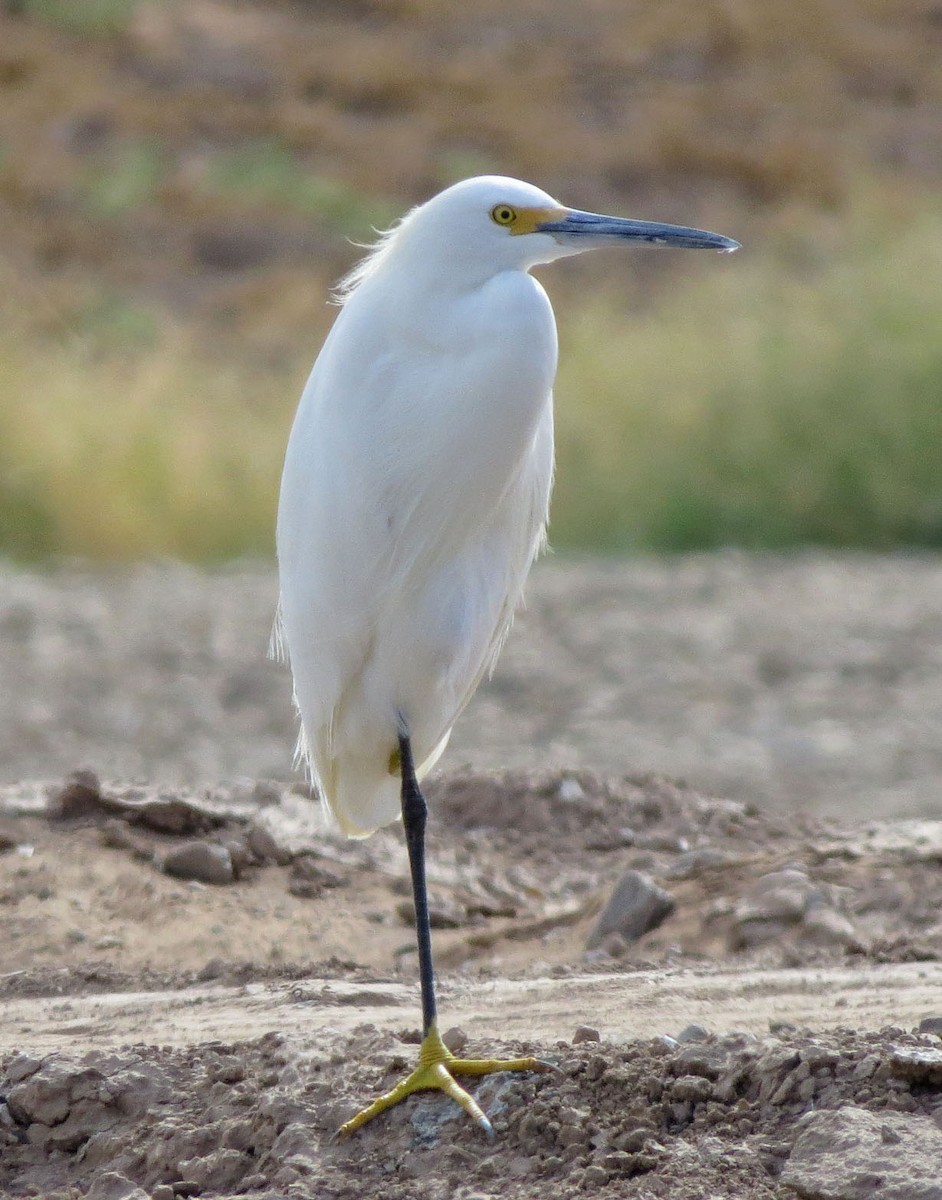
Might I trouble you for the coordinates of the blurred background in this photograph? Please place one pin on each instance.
(181, 182)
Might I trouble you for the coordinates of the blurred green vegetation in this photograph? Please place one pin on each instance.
(791, 394)
(128, 181)
(771, 405)
(96, 17)
(267, 172)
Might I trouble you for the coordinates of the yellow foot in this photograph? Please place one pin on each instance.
(436, 1070)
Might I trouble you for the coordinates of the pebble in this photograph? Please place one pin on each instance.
(205, 862)
(570, 790)
(585, 1033)
(695, 862)
(691, 1087)
(636, 906)
(80, 796)
(931, 1025)
(263, 844)
(455, 1039)
(113, 1186)
(693, 1033)
(828, 927)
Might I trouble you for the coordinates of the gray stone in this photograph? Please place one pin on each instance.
(693, 1033)
(828, 927)
(637, 906)
(921, 1063)
(22, 1067)
(43, 1098)
(263, 844)
(931, 1025)
(691, 1087)
(852, 1154)
(585, 1033)
(455, 1039)
(695, 862)
(112, 1186)
(202, 861)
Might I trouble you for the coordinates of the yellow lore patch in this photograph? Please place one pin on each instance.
(529, 219)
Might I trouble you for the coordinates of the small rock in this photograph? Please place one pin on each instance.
(693, 1033)
(266, 793)
(22, 1067)
(585, 1033)
(115, 834)
(866, 1067)
(691, 1087)
(695, 862)
(931, 1025)
(80, 796)
(570, 790)
(922, 1063)
(637, 906)
(668, 842)
(777, 902)
(112, 1186)
(828, 927)
(309, 878)
(708, 1060)
(239, 852)
(42, 1098)
(216, 1172)
(168, 813)
(202, 861)
(262, 843)
(455, 1039)
(442, 913)
(186, 1187)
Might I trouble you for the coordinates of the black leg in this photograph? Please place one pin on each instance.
(414, 814)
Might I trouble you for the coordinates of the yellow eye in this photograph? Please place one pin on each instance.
(503, 214)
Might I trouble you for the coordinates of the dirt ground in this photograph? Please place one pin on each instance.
(741, 997)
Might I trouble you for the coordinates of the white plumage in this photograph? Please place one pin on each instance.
(417, 480)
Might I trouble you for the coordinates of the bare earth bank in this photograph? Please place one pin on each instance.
(201, 982)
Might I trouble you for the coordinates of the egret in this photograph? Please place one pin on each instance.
(413, 502)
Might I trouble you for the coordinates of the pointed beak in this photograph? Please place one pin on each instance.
(585, 229)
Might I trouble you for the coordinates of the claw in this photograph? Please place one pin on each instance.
(436, 1071)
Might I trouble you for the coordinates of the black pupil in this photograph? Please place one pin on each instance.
(505, 214)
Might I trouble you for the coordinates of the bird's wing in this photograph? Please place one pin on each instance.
(507, 550)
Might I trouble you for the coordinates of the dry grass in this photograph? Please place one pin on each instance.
(763, 407)
(780, 397)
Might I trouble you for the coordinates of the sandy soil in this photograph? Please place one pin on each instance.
(200, 983)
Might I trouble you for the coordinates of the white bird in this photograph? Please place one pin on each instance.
(413, 502)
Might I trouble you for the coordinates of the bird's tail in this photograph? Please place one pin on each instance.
(362, 794)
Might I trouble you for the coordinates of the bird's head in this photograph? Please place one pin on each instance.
(481, 226)
(509, 218)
